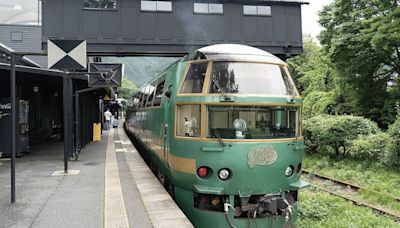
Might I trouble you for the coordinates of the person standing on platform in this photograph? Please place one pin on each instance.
(107, 119)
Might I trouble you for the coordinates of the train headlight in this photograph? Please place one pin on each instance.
(289, 171)
(224, 174)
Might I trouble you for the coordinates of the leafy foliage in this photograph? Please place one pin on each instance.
(127, 89)
(336, 132)
(361, 40)
(393, 159)
(376, 146)
(312, 70)
(318, 103)
(318, 80)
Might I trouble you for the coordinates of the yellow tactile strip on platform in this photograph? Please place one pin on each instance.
(114, 206)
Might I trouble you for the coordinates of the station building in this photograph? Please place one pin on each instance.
(177, 26)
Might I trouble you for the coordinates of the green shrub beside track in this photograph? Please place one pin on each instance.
(336, 132)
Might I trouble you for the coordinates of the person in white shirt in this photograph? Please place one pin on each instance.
(107, 119)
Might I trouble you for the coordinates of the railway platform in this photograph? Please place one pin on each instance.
(110, 186)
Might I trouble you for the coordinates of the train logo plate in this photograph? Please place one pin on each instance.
(261, 155)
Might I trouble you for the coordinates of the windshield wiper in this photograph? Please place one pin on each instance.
(216, 133)
(221, 92)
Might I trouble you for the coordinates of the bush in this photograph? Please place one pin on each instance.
(393, 159)
(336, 131)
(377, 146)
(394, 130)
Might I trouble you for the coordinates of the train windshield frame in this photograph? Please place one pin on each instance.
(252, 122)
(250, 78)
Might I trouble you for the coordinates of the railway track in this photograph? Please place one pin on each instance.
(354, 189)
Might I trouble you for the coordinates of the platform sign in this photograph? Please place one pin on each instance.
(109, 74)
(66, 54)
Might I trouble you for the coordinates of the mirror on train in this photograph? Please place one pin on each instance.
(168, 92)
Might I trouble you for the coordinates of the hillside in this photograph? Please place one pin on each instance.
(141, 69)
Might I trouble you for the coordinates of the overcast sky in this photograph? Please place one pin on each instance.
(310, 16)
(25, 12)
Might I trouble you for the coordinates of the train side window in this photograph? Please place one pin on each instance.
(194, 79)
(136, 99)
(159, 91)
(151, 90)
(140, 101)
(188, 120)
(145, 95)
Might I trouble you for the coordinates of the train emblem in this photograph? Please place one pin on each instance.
(261, 155)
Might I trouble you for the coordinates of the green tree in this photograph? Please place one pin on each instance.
(127, 89)
(312, 70)
(318, 81)
(361, 38)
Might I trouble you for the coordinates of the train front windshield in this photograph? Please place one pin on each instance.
(252, 122)
(250, 78)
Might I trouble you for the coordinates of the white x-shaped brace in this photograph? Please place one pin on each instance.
(107, 76)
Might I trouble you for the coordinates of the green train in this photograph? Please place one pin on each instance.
(221, 128)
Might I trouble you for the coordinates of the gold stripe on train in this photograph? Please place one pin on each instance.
(181, 164)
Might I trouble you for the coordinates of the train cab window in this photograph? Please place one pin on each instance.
(188, 120)
(250, 78)
(252, 122)
(159, 91)
(151, 91)
(194, 79)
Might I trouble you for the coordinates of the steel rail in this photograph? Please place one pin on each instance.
(377, 209)
(351, 185)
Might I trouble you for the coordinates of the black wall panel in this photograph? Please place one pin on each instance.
(165, 26)
(129, 17)
(183, 21)
(109, 29)
(279, 24)
(52, 19)
(216, 25)
(71, 12)
(91, 25)
(250, 29)
(265, 32)
(147, 28)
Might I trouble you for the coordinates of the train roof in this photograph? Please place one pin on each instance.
(234, 52)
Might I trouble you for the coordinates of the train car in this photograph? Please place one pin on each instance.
(221, 128)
